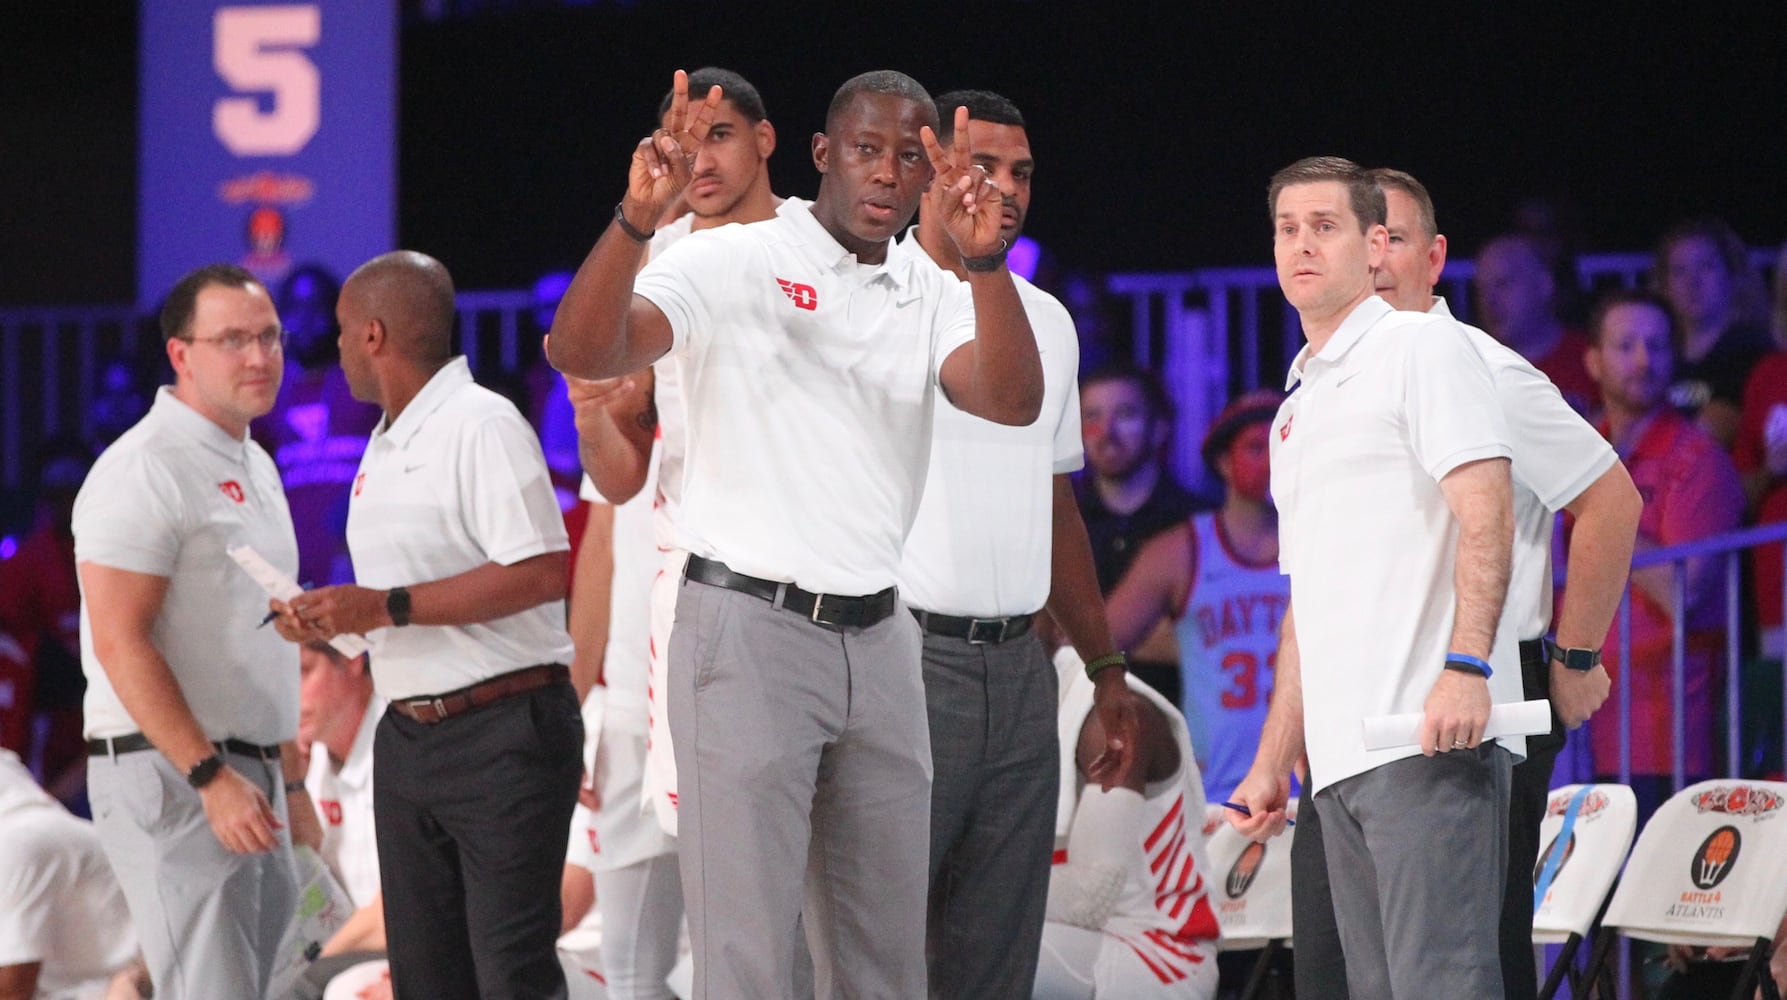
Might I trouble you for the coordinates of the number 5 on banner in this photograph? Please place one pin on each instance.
(254, 52)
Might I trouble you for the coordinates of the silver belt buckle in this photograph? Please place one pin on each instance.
(978, 637)
(819, 602)
(440, 709)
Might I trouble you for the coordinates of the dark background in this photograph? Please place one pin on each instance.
(1156, 127)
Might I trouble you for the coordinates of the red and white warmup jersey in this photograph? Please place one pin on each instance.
(1143, 854)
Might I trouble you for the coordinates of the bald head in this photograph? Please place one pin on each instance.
(411, 294)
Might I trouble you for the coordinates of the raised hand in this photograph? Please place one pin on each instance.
(664, 161)
(968, 201)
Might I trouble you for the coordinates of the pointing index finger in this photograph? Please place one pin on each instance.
(962, 150)
(679, 102)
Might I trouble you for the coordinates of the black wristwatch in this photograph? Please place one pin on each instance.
(397, 605)
(1578, 659)
(205, 771)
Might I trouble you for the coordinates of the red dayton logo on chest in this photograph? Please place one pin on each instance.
(1737, 800)
(803, 296)
(359, 483)
(233, 490)
(1284, 433)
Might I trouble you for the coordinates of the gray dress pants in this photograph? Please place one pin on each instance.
(209, 921)
(804, 764)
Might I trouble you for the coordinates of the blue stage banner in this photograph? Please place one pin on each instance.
(267, 136)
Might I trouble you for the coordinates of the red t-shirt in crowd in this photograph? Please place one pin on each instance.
(1691, 491)
(1566, 369)
(1765, 400)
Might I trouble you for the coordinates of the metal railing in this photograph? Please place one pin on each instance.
(53, 359)
(1731, 546)
(1203, 330)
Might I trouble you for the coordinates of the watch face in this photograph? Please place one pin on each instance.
(1580, 659)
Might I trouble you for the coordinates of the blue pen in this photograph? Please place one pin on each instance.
(1243, 810)
(274, 614)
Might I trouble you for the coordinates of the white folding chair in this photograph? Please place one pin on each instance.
(1587, 831)
(1710, 870)
(1251, 894)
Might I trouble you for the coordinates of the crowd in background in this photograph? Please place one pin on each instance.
(1698, 411)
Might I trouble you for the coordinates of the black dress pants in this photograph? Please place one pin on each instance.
(472, 815)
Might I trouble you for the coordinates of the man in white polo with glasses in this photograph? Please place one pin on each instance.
(189, 702)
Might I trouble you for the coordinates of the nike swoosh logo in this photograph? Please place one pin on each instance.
(1344, 379)
(412, 468)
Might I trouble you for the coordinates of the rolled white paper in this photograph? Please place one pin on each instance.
(1515, 718)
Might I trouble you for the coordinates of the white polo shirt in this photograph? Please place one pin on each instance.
(667, 395)
(343, 801)
(981, 543)
(457, 482)
(168, 499)
(60, 904)
(809, 381)
(1394, 402)
(1557, 455)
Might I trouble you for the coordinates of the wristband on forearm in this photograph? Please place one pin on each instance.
(1469, 664)
(990, 262)
(1098, 663)
(620, 218)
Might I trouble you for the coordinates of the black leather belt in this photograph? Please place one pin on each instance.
(133, 742)
(978, 631)
(828, 610)
(1532, 652)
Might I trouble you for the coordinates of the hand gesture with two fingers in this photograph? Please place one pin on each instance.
(664, 161)
(967, 199)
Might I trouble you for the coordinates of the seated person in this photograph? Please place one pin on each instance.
(64, 928)
(1129, 914)
(1517, 304)
(1703, 269)
(1216, 577)
(337, 716)
(1127, 495)
(1761, 456)
(1691, 492)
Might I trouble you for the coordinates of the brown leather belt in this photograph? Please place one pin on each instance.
(442, 707)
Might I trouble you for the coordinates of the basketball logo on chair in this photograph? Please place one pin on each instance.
(1247, 865)
(1713, 861)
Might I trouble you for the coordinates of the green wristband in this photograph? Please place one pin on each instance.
(1098, 663)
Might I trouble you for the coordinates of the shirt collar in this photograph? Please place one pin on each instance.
(183, 419)
(1439, 308)
(1351, 331)
(444, 383)
(896, 268)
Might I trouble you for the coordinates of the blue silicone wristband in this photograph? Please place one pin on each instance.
(1470, 662)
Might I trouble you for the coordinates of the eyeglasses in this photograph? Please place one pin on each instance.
(237, 343)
